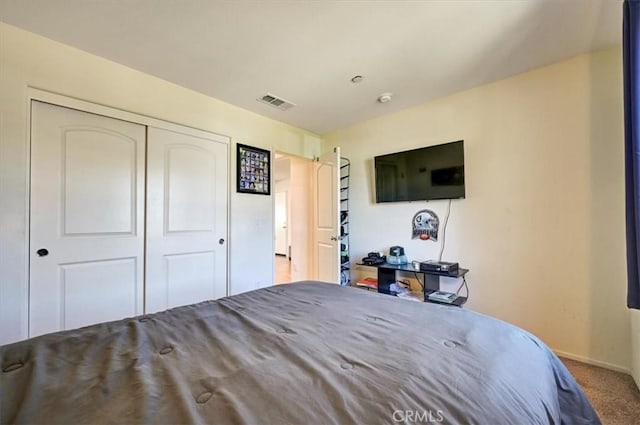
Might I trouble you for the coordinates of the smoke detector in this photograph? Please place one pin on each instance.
(276, 102)
(385, 97)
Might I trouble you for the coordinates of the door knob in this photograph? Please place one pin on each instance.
(333, 238)
(42, 252)
(221, 241)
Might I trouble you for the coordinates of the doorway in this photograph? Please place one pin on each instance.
(282, 247)
(292, 218)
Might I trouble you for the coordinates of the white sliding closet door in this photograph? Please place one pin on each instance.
(87, 219)
(186, 219)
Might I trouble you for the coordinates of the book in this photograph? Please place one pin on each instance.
(443, 297)
(368, 282)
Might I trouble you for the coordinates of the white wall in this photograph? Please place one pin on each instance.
(28, 60)
(542, 227)
(635, 341)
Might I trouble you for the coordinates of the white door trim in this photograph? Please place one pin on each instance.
(287, 242)
(108, 111)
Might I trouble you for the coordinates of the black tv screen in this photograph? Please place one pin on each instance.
(433, 172)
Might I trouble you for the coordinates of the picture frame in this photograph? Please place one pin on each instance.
(253, 170)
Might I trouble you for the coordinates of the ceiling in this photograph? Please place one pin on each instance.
(307, 51)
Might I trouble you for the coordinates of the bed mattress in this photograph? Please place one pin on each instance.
(302, 353)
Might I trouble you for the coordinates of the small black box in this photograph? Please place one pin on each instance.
(443, 267)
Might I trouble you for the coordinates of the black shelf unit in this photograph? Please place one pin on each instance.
(345, 260)
(430, 281)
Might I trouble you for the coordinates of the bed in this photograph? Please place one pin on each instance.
(307, 352)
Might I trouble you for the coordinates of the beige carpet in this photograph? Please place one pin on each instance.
(614, 395)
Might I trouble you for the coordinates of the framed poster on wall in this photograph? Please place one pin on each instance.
(254, 170)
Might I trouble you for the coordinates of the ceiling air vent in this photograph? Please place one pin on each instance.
(276, 102)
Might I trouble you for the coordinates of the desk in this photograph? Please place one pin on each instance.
(387, 276)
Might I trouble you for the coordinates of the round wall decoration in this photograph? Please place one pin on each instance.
(425, 225)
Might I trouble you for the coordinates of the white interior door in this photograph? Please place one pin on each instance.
(326, 229)
(87, 219)
(281, 223)
(186, 219)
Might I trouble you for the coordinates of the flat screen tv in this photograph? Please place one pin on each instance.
(433, 172)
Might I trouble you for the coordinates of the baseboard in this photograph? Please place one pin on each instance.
(586, 360)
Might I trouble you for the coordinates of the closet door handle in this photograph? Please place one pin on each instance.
(42, 252)
(221, 241)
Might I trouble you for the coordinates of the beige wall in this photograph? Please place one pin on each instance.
(28, 60)
(542, 227)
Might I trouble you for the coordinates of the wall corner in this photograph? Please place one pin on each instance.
(635, 346)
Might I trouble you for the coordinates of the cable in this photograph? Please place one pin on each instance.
(418, 279)
(460, 287)
(463, 284)
(404, 282)
(444, 230)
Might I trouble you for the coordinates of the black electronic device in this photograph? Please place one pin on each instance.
(443, 267)
(374, 259)
(432, 172)
(396, 251)
(397, 256)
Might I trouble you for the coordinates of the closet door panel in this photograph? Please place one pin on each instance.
(86, 281)
(87, 219)
(186, 219)
(190, 189)
(183, 285)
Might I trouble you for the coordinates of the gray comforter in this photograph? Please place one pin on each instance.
(304, 353)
